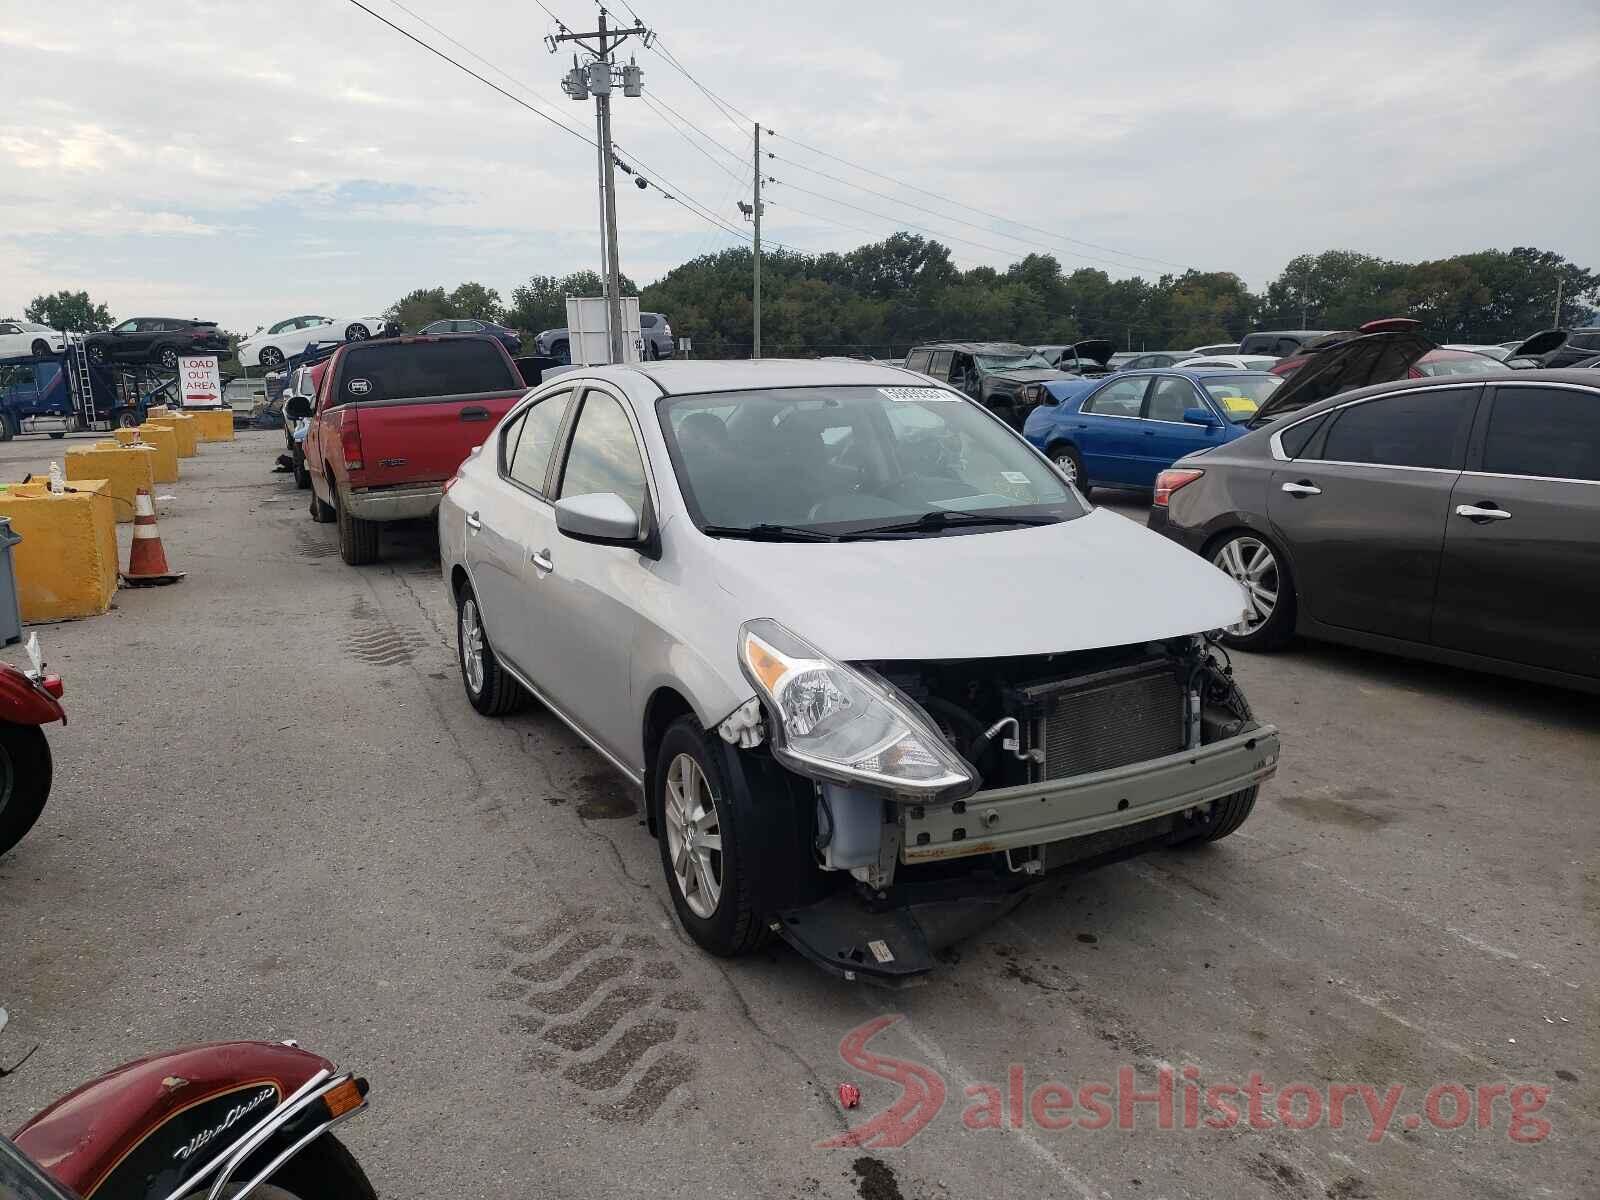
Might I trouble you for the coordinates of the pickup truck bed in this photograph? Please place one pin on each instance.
(393, 421)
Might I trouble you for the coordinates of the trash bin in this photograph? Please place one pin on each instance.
(10, 611)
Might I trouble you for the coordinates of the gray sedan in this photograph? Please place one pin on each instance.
(857, 641)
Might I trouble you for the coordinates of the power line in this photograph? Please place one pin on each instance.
(733, 154)
(982, 212)
(486, 82)
(715, 162)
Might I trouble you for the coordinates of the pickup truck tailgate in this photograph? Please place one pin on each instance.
(423, 441)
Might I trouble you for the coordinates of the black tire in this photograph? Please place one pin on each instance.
(324, 1170)
(1278, 629)
(321, 513)
(1226, 815)
(8, 427)
(356, 333)
(97, 355)
(25, 771)
(497, 693)
(58, 433)
(1070, 463)
(270, 357)
(562, 350)
(167, 356)
(358, 539)
(302, 474)
(128, 418)
(40, 348)
(737, 925)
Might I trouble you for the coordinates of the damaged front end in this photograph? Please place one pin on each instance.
(943, 789)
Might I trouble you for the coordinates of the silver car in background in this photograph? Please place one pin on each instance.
(871, 659)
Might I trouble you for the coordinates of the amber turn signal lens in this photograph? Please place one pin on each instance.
(343, 1098)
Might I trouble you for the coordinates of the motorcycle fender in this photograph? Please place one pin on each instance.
(23, 703)
(147, 1126)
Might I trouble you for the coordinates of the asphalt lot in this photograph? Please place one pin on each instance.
(275, 815)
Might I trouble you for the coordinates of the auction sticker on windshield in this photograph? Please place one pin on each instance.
(914, 394)
(1242, 405)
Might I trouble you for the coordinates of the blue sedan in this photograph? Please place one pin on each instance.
(1124, 430)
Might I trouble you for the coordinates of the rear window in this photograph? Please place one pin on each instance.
(409, 370)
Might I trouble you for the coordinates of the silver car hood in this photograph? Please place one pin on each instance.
(1100, 580)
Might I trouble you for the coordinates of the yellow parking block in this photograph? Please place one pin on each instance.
(165, 440)
(184, 426)
(125, 469)
(66, 563)
(213, 424)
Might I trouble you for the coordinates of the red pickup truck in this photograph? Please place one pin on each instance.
(394, 419)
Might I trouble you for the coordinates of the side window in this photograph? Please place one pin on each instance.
(1120, 399)
(1170, 398)
(531, 460)
(1286, 347)
(509, 433)
(1423, 429)
(917, 360)
(9, 329)
(604, 456)
(1295, 440)
(939, 368)
(1550, 432)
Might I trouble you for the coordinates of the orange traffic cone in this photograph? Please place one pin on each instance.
(147, 559)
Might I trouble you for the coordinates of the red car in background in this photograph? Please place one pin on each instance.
(393, 420)
(1436, 361)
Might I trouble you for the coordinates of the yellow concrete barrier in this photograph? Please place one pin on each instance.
(125, 469)
(165, 440)
(213, 424)
(66, 563)
(184, 427)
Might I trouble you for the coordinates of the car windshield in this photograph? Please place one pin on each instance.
(840, 460)
(1456, 362)
(1010, 362)
(1239, 396)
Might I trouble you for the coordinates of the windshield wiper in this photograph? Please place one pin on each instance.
(768, 532)
(943, 518)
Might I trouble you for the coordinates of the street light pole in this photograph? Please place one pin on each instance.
(756, 288)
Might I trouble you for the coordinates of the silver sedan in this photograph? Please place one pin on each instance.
(851, 635)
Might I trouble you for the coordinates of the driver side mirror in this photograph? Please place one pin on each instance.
(1201, 416)
(603, 518)
(296, 407)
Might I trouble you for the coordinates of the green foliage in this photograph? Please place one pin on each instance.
(881, 299)
(72, 311)
(476, 301)
(541, 303)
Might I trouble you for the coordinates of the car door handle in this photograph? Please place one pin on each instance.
(1483, 511)
(542, 560)
(474, 523)
(474, 413)
(1303, 487)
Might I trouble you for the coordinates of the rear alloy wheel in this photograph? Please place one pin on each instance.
(271, 356)
(1258, 567)
(97, 355)
(699, 817)
(41, 348)
(321, 513)
(489, 689)
(356, 333)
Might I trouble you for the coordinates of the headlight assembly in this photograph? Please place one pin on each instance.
(833, 722)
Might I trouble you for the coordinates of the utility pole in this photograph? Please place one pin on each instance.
(756, 204)
(578, 83)
(1559, 282)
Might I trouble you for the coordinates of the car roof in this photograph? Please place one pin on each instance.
(681, 377)
(976, 347)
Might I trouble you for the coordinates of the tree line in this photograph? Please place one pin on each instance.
(880, 299)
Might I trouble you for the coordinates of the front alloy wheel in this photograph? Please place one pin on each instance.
(169, 357)
(271, 356)
(1269, 617)
(694, 836)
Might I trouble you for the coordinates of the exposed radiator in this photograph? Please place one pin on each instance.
(1108, 719)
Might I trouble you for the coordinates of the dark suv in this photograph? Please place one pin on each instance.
(995, 374)
(157, 340)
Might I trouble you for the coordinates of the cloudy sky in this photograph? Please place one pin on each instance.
(248, 161)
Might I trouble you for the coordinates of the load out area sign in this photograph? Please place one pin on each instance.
(200, 382)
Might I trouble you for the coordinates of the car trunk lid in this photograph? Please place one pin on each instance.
(1368, 359)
